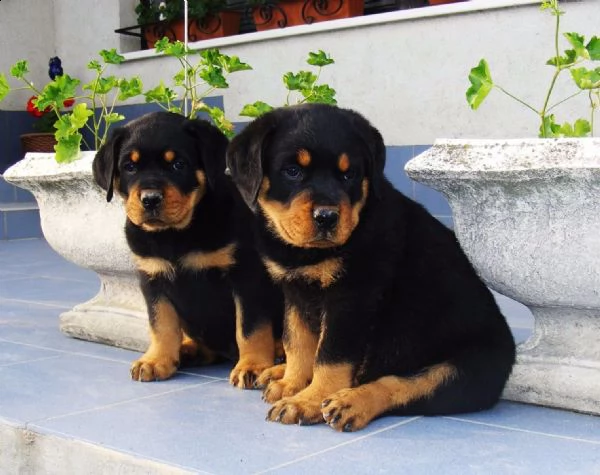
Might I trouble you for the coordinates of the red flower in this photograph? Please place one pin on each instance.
(33, 110)
(68, 102)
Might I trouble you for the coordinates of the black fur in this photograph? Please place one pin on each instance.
(407, 297)
(202, 298)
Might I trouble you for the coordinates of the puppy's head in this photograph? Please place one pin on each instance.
(162, 164)
(309, 170)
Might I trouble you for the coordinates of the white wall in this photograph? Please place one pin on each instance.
(408, 76)
(26, 32)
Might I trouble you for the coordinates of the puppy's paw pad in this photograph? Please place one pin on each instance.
(153, 369)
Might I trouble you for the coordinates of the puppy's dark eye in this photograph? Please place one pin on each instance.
(178, 165)
(349, 175)
(130, 167)
(292, 172)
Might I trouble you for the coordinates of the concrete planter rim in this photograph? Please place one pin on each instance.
(507, 159)
(40, 166)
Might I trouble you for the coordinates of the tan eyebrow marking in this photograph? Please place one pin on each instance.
(169, 155)
(344, 163)
(304, 157)
(135, 156)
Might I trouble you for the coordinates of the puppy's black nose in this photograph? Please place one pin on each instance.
(325, 218)
(151, 199)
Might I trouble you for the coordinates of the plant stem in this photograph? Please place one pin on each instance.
(564, 100)
(557, 65)
(517, 99)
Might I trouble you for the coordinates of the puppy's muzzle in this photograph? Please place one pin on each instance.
(151, 199)
(326, 218)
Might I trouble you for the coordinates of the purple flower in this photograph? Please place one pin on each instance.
(55, 68)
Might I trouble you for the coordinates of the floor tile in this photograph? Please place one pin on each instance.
(443, 446)
(48, 290)
(214, 428)
(540, 419)
(11, 353)
(72, 383)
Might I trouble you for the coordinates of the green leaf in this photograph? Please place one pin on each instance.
(582, 128)
(323, 94)
(255, 110)
(481, 84)
(57, 91)
(112, 118)
(102, 85)
(110, 56)
(160, 93)
(233, 65)
(569, 58)
(577, 41)
(214, 77)
(586, 78)
(593, 48)
(4, 86)
(19, 69)
(299, 81)
(549, 128)
(67, 148)
(218, 118)
(176, 49)
(179, 78)
(94, 65)
(319, 58)
(129, 89)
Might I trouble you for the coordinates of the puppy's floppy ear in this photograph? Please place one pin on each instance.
(106, 161)
(376, 148)
(245, 157)
(212, 145)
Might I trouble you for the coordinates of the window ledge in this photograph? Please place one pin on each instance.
(356, 22)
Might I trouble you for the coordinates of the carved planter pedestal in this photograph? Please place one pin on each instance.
(527, 213)
(82, 227)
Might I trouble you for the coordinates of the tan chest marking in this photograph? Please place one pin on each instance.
(325, 272)
(155, 266)
(222, 258)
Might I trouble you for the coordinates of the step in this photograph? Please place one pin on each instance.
(19, 221)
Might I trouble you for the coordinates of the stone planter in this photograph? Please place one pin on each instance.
(82, 227)
(527, 213)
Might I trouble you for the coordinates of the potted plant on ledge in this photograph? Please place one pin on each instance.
(526, 213)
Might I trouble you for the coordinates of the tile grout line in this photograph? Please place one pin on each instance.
(527, 431)
(116, 404)
(35, 360)
(34, 302)
(342, 444)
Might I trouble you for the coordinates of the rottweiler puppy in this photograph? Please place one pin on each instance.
(383, 311)
(204, 284)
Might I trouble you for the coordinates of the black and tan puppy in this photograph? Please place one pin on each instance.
(384, 313)
(188, 231)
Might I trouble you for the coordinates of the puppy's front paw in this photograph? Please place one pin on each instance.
(274, 373)
(281, 388)
(246, 372)
(296, 410)
(153, 368)
(347, 410)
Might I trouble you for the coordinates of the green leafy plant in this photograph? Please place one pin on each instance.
(586, 80)
(100, 95)
(169, 10)
(302, 87)
(195, 81)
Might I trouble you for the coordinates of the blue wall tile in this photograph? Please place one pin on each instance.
(7, 192)
(22, 224)
(433, 200)
(24, 196)
(2, 225)
(396, 158)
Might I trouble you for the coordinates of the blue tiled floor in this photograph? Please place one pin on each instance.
(51, 384)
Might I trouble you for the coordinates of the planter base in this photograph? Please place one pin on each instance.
(559, 365)
(116, 316)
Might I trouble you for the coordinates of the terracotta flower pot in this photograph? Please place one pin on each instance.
(215, 26)
(42, 142)
(304, 12)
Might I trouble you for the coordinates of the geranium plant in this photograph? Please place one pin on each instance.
(586, 80)
(302, 87)
(93, 107)
(195, 81)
